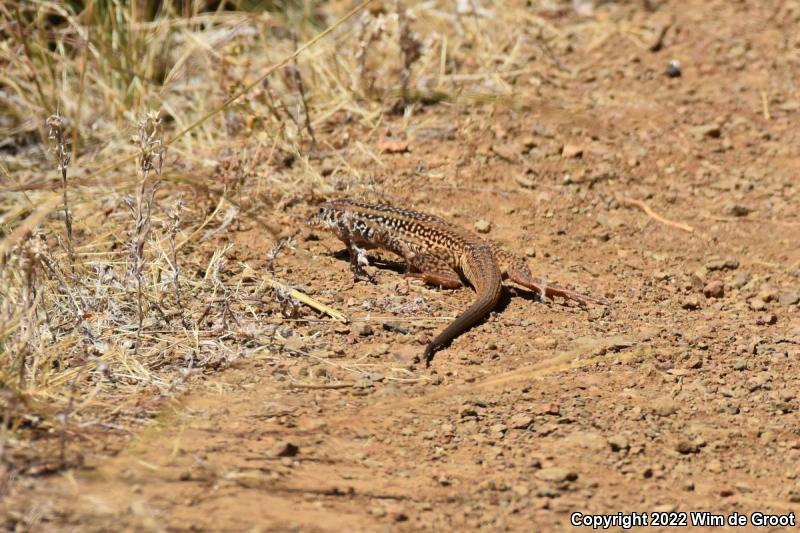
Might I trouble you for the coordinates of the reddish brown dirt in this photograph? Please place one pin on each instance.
(665, 401)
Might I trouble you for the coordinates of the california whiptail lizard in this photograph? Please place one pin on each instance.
(436, 252)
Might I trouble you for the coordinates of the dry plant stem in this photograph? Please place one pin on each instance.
(56, 135)
(152, 157)
(297, 295)
(409, 45)
(173, 230)
(298, 81)
(652, 214)
(65, 419)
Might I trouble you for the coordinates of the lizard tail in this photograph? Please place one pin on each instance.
(482, 272)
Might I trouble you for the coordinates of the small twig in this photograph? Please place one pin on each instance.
(297, 78)
(297, 295)
(320, 386)
(652, 214)
(65, 419)
(174, 227)
(765, 105)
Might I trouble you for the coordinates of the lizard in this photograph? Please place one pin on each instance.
(436, 252)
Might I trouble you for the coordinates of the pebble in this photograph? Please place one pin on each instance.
(545, 343)
(789, 298)
(767, 319)
(737, 210)
(740, 364)
(767, 295)
(691, 302)
(665, 407)
(714, 289)
(722, 264)
(483, 226)
(588, 439)
(685, 447)
(618, 443)
(498, 429)
(757, 304)
(741, 279)
(556, 474)
(572, 150)
(530, 251)
(365, 330)
(673, 69)
(283, 449)
(707, 131)
(521, 421)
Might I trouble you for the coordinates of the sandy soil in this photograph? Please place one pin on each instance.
(680, 396)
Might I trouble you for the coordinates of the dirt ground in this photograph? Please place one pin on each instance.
(679, 396)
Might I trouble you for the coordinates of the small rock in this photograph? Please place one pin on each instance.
(789, 298)
(283, 449)
(767, 295)
(549, 409)
(378, 512)
(521, 421)
(365, 330)
(664, 508)
(530, 251)
(737, 210)
(588, 439)
(722, 264)
(741, 279)
(483, 226)
(556, 474)
(618, 443)
(673, 69)
(767, 319)
(498, 429)
(740, 364)
(545, 343)
(685, 447)
(714, 289)
(707, 131)
(691, 303)
(665, 407)
(757, 304)
(572, 150)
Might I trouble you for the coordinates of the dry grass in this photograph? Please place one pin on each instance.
(114, 293)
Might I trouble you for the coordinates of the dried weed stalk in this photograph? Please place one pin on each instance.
(370, 30)
(297, 82)
(151, 158)
(409, 45)
(173, 228)
(55, 133)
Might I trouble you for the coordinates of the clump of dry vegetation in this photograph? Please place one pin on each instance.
(135, 135)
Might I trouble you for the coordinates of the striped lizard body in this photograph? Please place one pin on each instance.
(436, 252)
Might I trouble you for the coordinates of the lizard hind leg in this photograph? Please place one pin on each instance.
(445, 280)
(433, 271)
(516, 269)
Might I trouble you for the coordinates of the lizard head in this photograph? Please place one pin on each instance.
(325, 216)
